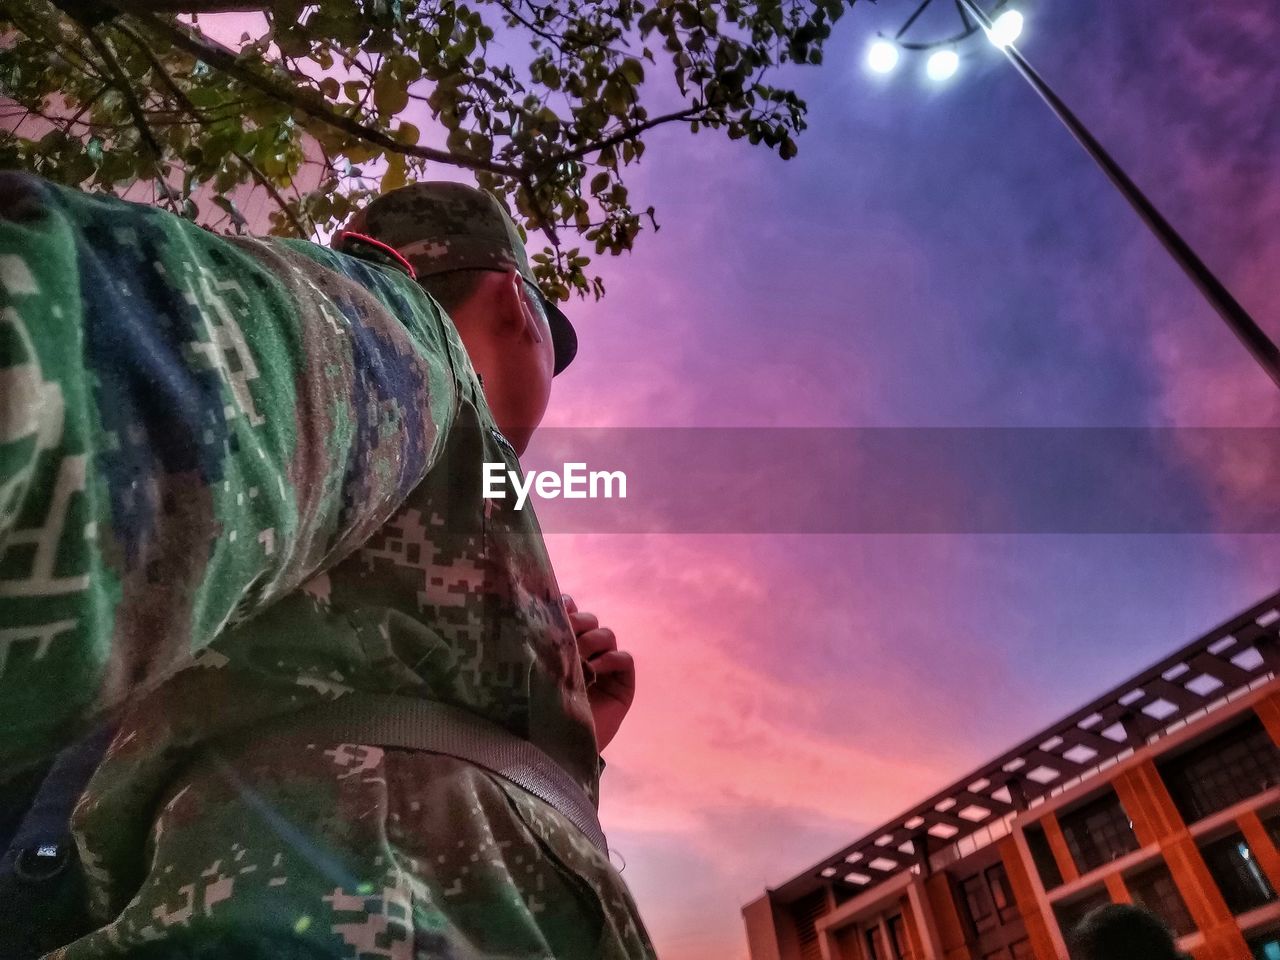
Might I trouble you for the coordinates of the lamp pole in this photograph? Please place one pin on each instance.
(1233, 314)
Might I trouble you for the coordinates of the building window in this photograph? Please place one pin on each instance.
(1070, 914)
(1001, 894)
(1153, 888)
(1231, 767)
(977, 901)
(1042, 856)
(1098, 832)
(988, 900)
(1235, 870)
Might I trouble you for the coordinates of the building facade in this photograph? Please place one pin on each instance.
(1165, 792)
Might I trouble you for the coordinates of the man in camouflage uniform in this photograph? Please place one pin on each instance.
(240, 478)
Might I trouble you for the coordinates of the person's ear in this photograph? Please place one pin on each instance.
(528, 316)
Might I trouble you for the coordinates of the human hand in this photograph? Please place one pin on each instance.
(610, 672)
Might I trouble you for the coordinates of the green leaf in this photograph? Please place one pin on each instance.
(396, 175)
(495, 106)
(390, 96)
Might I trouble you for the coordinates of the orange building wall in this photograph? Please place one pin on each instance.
(1025, 896)
(762, 937)
(1156, 820)
(945, 915)
(1058, 846)
(1268, 709)
(848, 946)
(913, 933)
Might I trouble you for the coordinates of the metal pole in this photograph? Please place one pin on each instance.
(1229, 309)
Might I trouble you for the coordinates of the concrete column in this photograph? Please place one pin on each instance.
(886, 935)
(1058, 845)
(1156, 820)
(1147, 801)
(947, 917)
(1264, 851)
(926, 929)
(763, 941)
(1024, 895)
(1223, 938)
(827, 946)
(1116, 889)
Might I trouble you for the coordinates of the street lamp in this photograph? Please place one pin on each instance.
(1002, 32)
(1006, 28)
(942, 65)
(882, 57)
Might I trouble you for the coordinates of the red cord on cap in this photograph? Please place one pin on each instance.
(392, 252)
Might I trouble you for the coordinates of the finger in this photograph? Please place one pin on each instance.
(569, 605)
(596, 641)
(613, 661)
(582, 622)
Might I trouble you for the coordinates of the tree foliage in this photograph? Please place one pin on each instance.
(548, 102)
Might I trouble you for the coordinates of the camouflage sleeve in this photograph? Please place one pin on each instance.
(190, 427)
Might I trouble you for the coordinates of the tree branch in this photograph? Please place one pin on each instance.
(629, 133)
(88, 105)
(547, 224)
(126, 92)
(559, 41)
(191, 6)
(185, 102)
(280, 201)
(228, 63)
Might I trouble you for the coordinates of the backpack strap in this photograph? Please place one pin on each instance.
(416, 724)
(42, 902)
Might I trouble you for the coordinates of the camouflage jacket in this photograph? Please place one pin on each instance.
(238, 477)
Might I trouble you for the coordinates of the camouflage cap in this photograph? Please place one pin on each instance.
(437, 226)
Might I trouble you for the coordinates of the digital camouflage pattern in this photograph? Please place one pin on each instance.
(239, 477)
(440, 226)
(444, 226)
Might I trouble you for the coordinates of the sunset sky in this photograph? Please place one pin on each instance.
(935, 256)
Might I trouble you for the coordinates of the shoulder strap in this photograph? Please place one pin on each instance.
(41, 895)
(415, 724)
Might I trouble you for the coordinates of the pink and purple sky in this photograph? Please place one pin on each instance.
(935, 256)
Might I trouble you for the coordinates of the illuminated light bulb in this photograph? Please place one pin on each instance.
(942, 65)
(1006, 29)
(883, 56)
